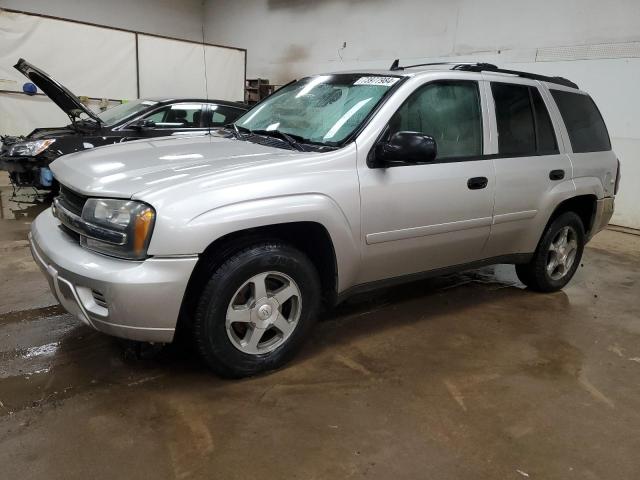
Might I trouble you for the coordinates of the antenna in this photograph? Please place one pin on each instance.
(204, 59)
(206, 108)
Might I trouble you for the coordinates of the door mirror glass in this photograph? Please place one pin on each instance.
(406, 148)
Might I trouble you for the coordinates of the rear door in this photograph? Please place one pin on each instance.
(533, 173)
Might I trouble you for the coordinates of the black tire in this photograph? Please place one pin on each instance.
(535, 274)
(209, 327)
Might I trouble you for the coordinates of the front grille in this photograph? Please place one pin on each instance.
(99, 298)
(72, 201)
(71, 233)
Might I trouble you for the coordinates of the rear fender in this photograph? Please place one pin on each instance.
(589, 186)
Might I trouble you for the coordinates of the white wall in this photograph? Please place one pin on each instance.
(103, 65)
(288, 39)
(173, 18)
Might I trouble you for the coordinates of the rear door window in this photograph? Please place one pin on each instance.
(523, 122)
(585, 126)
(545, 136)
(221, 114)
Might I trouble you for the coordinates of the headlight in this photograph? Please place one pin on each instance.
(127, 224)
(30, 149)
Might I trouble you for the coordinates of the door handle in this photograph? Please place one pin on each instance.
(477, 183)
(556, 174)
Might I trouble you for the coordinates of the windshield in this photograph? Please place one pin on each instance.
(325, 109)
(120, 112)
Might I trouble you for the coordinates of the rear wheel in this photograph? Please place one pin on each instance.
(256, 310)
(557, 257)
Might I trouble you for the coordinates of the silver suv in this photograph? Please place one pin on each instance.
(335, 184)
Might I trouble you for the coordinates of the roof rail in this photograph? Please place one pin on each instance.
(488, 67)
(396, 64)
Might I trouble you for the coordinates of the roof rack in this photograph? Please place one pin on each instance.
(396, 64)
(488, 67)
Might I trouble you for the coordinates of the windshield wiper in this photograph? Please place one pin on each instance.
(237, 130)
(282, 135)
(295, 141)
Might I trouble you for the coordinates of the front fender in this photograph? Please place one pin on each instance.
(197, 234)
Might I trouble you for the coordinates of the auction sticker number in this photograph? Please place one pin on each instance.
(383, 81)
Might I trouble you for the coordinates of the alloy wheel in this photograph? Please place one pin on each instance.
(562, 253)
(263, 313)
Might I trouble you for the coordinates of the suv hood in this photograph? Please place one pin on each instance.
(61, 96)
(142, 166)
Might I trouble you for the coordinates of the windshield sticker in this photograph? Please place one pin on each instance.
(148, 102)
(383, 81)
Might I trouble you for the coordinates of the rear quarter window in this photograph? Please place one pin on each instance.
(585, 125)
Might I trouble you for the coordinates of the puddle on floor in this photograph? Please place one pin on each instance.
(18, 208)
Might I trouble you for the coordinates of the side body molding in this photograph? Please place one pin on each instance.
(508, 236)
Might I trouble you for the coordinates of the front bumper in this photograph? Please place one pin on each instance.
(20, 164)
(128, 299)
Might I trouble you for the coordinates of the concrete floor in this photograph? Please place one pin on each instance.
(465, 376)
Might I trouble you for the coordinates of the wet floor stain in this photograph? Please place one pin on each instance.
(31, 314)
(18, 207)
(463, 376)
(47, 355)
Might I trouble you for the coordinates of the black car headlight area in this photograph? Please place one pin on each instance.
(124, 227)
(30, 149)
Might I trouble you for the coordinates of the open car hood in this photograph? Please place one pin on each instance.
(60, 95)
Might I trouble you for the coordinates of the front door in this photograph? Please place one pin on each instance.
(423, 217)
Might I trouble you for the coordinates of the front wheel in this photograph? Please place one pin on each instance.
(557, 257)
(256, 310)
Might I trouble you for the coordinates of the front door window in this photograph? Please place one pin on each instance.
(448, 111)
(180, 115)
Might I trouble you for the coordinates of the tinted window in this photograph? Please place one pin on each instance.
(221, 115)
(448, 111)
(545, 136)
(584, 123)
(524, 125)
(120, 112)
(181, 115)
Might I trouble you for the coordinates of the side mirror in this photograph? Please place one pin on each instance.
(405, 148)
(143, 124)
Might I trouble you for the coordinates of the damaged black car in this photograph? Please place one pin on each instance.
(27, 158)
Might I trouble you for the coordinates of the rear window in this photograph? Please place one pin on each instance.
(584, 123)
